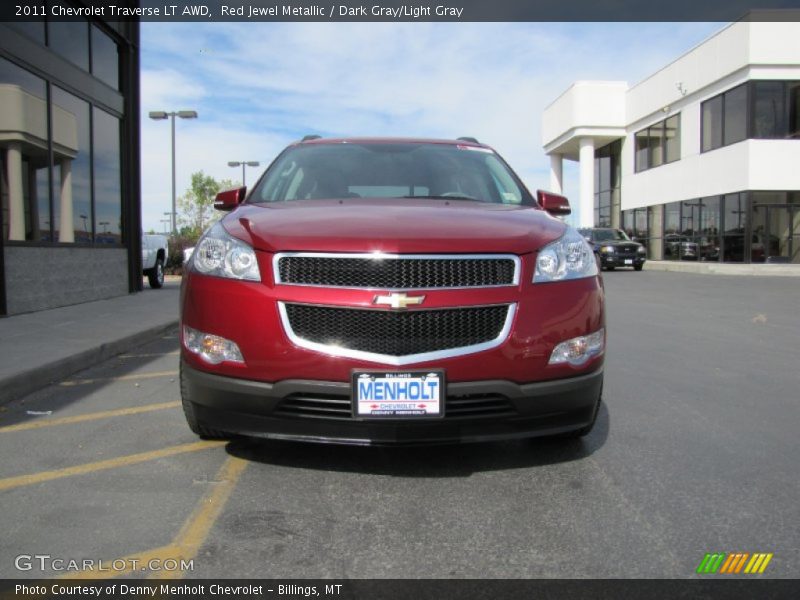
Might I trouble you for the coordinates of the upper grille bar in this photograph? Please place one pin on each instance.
(396, 271)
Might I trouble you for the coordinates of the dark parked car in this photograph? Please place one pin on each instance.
(391, 291)
(614, 248)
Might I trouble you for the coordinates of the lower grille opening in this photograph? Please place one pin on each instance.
(396, 333)
(339, 407)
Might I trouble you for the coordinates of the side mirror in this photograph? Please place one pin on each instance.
(555, 204)
(229, 199)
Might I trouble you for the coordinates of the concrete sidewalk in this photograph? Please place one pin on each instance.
(39, 348)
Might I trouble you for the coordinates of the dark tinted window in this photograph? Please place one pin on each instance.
(642, 148)
(735, 111)
(769, 109)
(107, 191)
(794, 110)
(658, 144)
(386, 170)
(672, 138)
(70, 39)
(712, 123)
(656, 134)
(23, 155)
(105, 58)
(33, 29)
(72, 167)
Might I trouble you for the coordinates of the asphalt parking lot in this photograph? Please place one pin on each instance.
(695, 451)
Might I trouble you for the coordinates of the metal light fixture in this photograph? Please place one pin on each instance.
(160, 115)
(243, 164)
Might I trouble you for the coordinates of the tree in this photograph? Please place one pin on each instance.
(196, 206)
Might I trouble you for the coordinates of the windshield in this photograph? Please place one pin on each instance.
(388, 170)
(609, 235)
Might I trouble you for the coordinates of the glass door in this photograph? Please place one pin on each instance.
(776, 233)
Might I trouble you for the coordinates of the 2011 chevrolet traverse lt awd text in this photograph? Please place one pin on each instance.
(389, 291)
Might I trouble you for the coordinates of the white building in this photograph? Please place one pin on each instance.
(699, 160)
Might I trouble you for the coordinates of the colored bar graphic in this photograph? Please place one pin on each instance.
(734, 562)
(711, 562)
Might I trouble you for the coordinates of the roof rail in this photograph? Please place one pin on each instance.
(468, 139)
(307, 138)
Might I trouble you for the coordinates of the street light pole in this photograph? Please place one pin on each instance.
(160, 115)
(243, 163)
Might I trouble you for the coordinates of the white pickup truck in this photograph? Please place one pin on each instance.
(155, 250)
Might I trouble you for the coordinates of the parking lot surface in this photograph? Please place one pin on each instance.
(695, 451)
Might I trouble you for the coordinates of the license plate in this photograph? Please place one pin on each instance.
(398, 395)
(628, 261)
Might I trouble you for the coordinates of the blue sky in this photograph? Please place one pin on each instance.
(259, 86)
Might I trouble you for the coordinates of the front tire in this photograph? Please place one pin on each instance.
(638, 267)
(155, 276)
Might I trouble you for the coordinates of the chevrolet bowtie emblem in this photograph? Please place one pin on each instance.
(398, 300)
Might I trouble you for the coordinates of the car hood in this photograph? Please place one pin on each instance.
(618, 243)
(393, 226)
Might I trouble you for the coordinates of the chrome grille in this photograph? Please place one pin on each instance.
(396, 272)
(397, 337)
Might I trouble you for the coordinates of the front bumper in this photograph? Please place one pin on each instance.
(317, 411)
(615, 260)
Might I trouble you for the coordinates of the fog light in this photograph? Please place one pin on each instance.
(211, 348)
(577, 351)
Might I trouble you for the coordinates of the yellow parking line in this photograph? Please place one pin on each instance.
(190, 538)
(105, 414)
(112, 463)
(135, 376)
(197, 527)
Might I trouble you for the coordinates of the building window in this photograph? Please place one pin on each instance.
(734, 113)
(70, 39)
(23, 155)
(755, 110)
(72, 174)
(672, 223)
(712, 124)
(658, 144)
(607, 169)
(794, 109)
(636, 223)
(734, 222)
(776, 105)
(105, 58)
(107, 178)
(699, 235)
(33, 29)
(76, 198)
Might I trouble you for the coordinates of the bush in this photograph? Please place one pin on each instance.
(177, 244)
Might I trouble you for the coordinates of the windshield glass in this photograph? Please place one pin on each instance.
(388, 170)
(610, 235)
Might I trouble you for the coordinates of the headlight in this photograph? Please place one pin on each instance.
(641, 250)
(569, 257)
(222, 255)
(607, 249)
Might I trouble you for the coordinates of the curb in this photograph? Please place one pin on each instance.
(710, 268)
(20, 385)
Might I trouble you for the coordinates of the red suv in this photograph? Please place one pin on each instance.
(389, 291)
